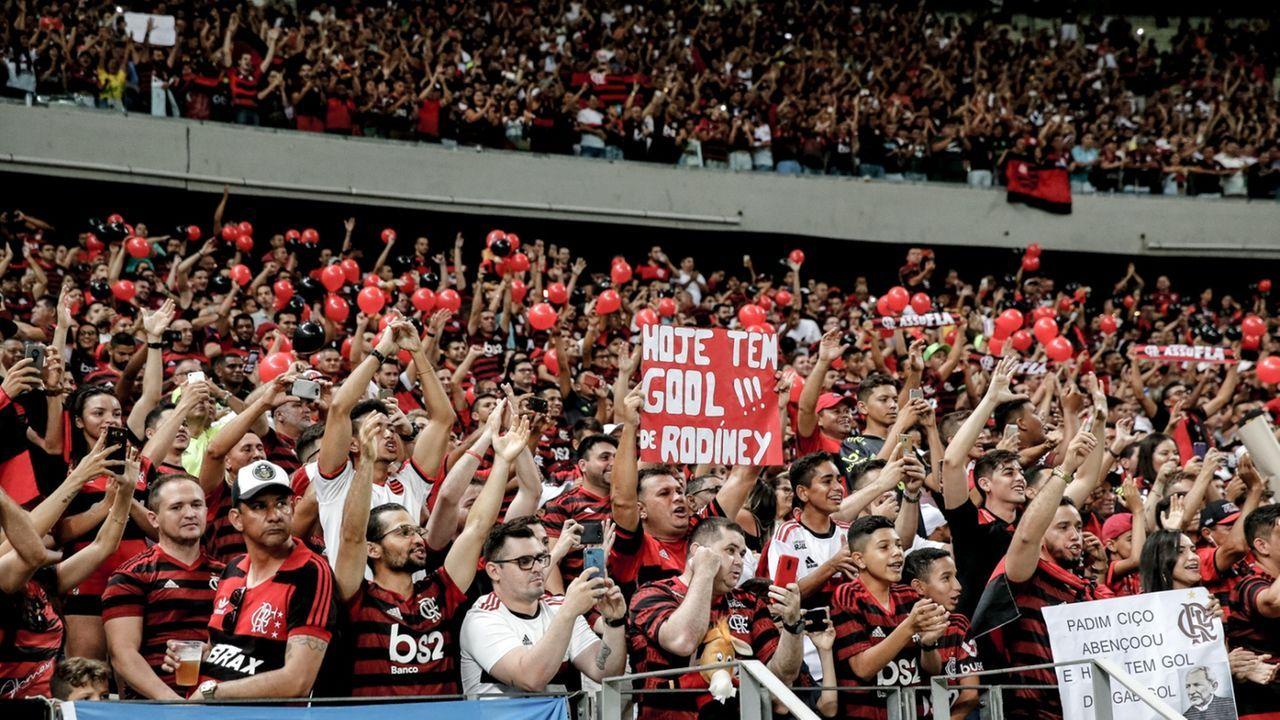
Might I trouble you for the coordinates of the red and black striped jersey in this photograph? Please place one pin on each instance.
(1020, 636)
(638, 558)
(861, 623)
(555, 452)
(580, 504)
(406, 645)
(1220, 583)
(221, 539)
(1248, 628)
(489, 365)
(959, 656)
(174, 601)
(31, 635)
(250, 627)
(744, 613)
(132, 542)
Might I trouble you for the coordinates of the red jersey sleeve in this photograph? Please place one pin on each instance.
(125, 596)
(650, 608)
(313, 606)
(853, 635)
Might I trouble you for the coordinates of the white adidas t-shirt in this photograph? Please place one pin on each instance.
(490, 631)
(406, 487)
(793, 538)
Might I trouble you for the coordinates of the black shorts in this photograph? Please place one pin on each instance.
(82, 604)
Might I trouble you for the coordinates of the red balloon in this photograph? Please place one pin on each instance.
(608, 302)
(292, 234)
(351, 269)
(1107, 324)
(1009, 321)
(882, 305)
(241, 274)
(542, 316)
(763, 327)
(123, 290)
(285, 345)
(336, 309)
(518, 262)
(551, 361)
(1269, 369)
(448, 299)
(766, 302)
(310, 236)
(921, 303)
(371, 300)
(408, 283)
(1058, 349)
(244, 243)
(1250, 342)
(230, 232)
(620, 273)
(193, 232)
(1030, 263)
(1043, 311)
(646, 317)
(557, 293)
(1022, 340)
(1081, 295)
(899, 298)
(518, 290)
(333, 278)
(783, 298)
(283, 289)
(274, 365)
(115, 218)
(388, 235)
(423, 299)
(493, 236)
(1253, 325)
(1064, 305)
(797, 256)
(666, 307)
(245, 228)
(750, 314)
(514, 239)
(92, 242)
(1128, 302)
(138, 247)
(1033, 250)
(995, 345)
(1264, 286)
(1046, 329)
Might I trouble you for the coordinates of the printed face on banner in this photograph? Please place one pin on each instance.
(708, 396)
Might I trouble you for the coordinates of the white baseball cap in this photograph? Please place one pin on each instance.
(258, 476)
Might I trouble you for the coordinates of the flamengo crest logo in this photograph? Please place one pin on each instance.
(428, 610)
(262, 617)
(1196, 623)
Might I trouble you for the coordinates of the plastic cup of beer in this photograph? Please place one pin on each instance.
(189, 654)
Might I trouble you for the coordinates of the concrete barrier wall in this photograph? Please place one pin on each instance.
(73, 142)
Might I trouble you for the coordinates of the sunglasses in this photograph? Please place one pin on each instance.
(404, 531)
(229, 620)
(526, 562)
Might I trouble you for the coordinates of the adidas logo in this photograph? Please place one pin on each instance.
(809, 563)
(527, 641)
(395, 613)
(170, 585)
(878, 632)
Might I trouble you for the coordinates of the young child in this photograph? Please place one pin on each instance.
(80, 678)
(931, 572)
(1124, 535)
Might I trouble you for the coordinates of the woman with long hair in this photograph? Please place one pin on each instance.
(1155, 451)
(1169, 562)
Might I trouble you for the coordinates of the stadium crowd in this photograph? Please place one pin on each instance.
(893, 91)
(222, 481)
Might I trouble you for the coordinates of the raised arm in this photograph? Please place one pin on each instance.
(829, 348)
(348, 567)
(75, 569)
(460, 563)
(1024, 550)
(443, 522)
(433, 442)
(154, 323)
(336, 442)
(623, 497)
(955, 461)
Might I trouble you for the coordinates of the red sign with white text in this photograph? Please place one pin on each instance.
(709, 396)
(1186, 353)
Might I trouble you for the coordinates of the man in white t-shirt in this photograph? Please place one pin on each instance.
(400, 476)
(518, 639)
(815, 539)
(591, 127)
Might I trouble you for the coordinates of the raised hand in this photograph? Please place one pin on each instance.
(371, 436)
(1078, 450)
(830, 348)
(509, 446)
(631, 405)
(785, 603)
(22, 377)
(1001, 377)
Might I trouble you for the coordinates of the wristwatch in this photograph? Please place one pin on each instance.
(619, 622)
(928, 646)
(795, 628)
(207, 689)
(378, 354)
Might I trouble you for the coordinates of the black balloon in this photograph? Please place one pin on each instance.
(501, 247)
(94, 224)
(100, 289)
(295, 305)
(309, 288)
(1233, 333)
(117, 230)
(402, 263)
(308, 337)
(1210, 334)
(429, 279)
(220, 284)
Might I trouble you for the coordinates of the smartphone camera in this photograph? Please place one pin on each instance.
(816, 619)
(34, 352)
(592, 532)
(305, 389)
(536, 404)
(169, 337)
(118, 437)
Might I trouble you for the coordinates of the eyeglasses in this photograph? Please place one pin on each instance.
(404, 531)
(526, 562)
(229, 621)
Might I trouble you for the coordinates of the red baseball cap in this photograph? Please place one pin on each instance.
(826, 401)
